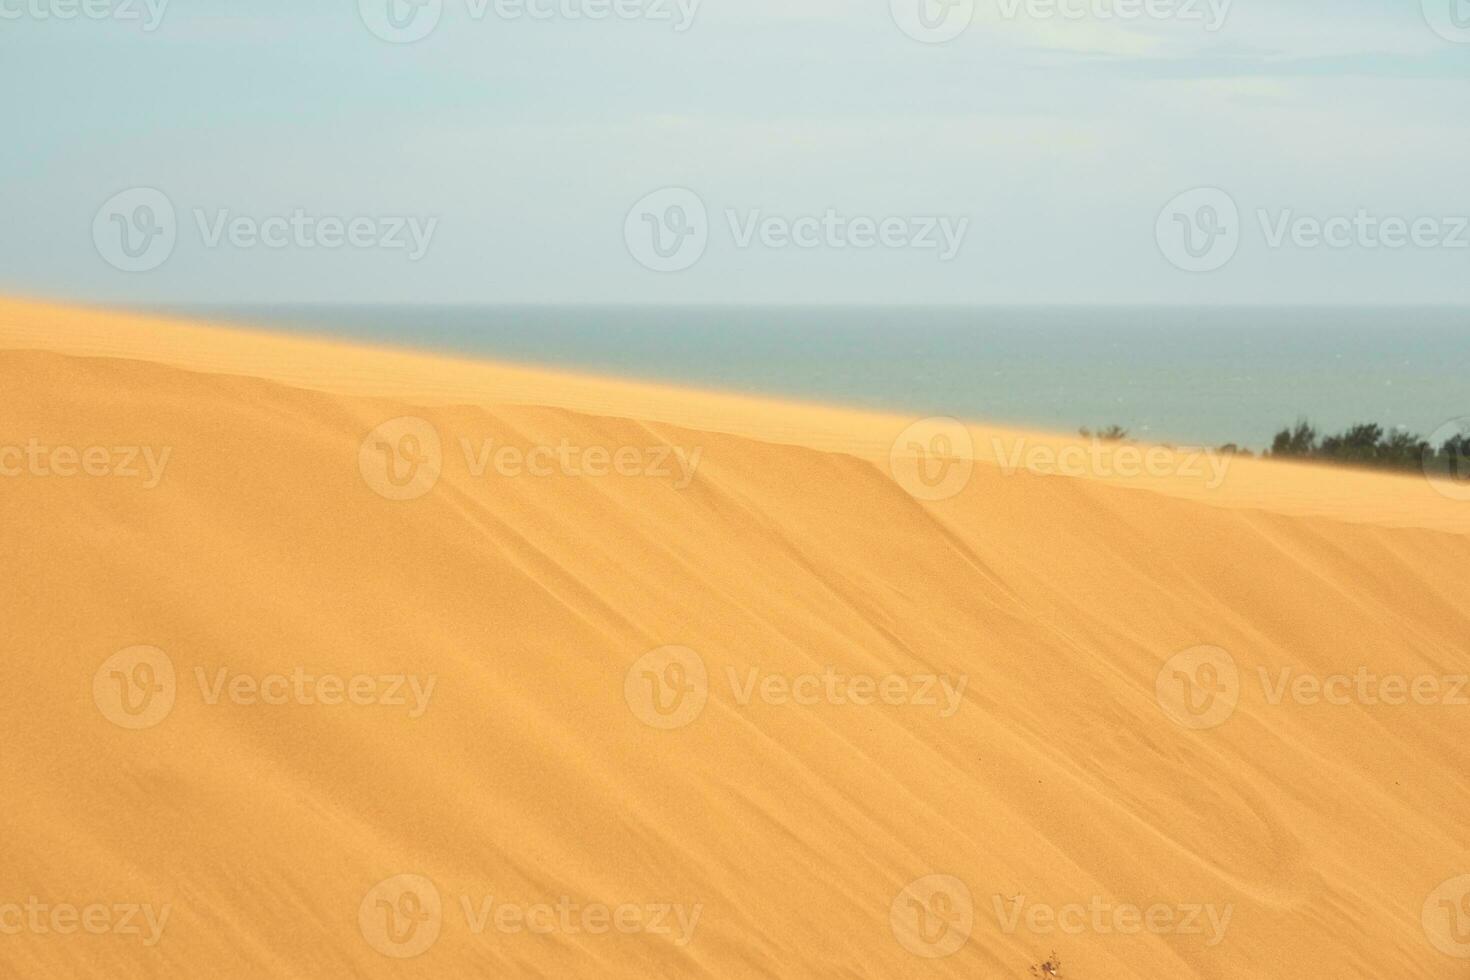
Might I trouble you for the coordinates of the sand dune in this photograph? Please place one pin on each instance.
(337, 662)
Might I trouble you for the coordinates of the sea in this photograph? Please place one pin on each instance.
(1196, 376)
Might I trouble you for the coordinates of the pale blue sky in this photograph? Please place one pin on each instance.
(529, 141)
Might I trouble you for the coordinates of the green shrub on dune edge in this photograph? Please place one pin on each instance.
(1365, 444)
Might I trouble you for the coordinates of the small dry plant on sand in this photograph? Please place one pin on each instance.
(1050, 970)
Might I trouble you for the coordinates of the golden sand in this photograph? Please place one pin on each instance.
(332, 661)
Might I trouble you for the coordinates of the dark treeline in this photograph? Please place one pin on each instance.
(1365, 444)
(1368, 444)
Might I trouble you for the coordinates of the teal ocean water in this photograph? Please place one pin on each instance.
(1234, 374)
